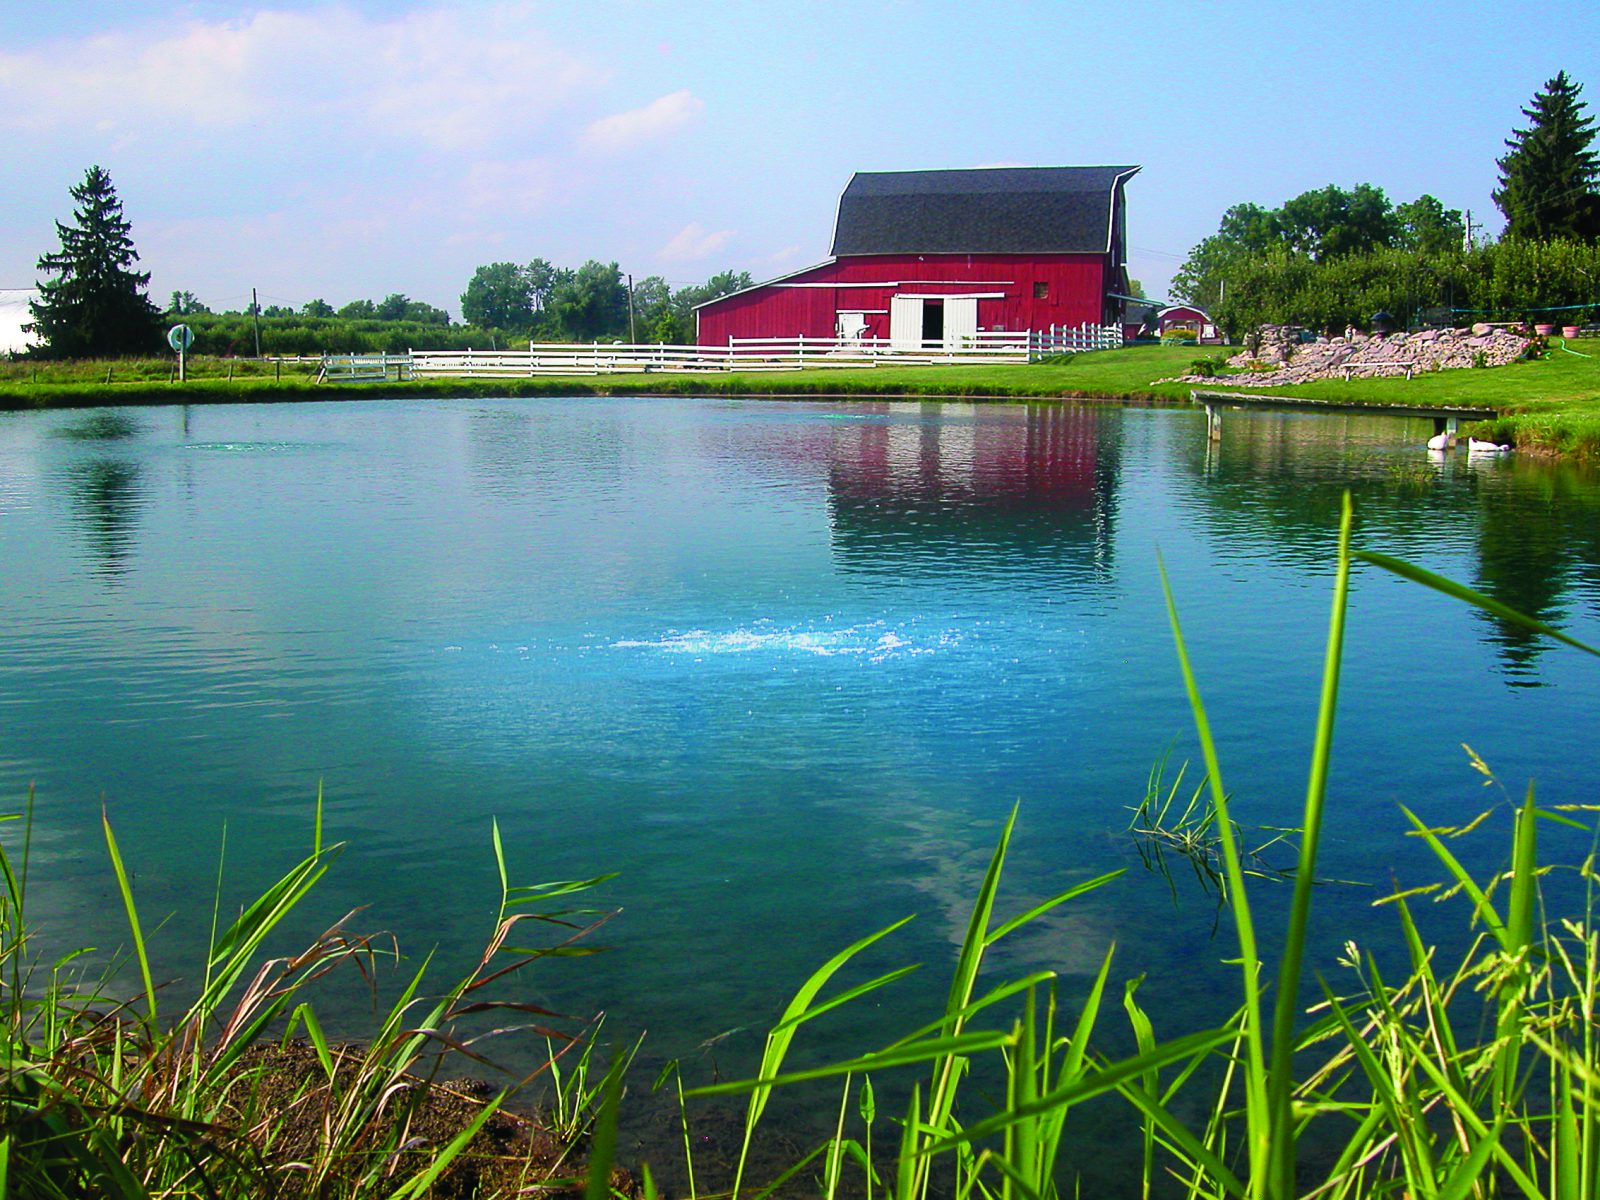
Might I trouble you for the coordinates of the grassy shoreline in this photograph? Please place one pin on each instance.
(1551, 405)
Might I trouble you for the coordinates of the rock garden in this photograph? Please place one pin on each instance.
(1276, 355)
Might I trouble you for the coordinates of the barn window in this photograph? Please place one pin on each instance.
(1041, 291)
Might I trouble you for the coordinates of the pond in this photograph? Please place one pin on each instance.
(785, 667)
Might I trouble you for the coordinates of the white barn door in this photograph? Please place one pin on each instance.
(960, 321)
(905, 322)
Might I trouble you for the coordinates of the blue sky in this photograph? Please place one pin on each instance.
(350, 150)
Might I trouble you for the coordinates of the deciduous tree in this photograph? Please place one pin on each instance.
(592, 304)
(96, 304)
(1428, 227)
(498, 296)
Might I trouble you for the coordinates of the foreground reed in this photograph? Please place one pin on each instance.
(1475, 1080)
(240, 1092)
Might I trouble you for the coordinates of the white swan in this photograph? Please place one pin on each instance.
(1473, 444)
(1441, 441)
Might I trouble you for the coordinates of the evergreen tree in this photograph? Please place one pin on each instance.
(1547, 181)
(96, 305)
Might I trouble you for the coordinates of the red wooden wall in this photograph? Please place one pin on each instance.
(1075, 287)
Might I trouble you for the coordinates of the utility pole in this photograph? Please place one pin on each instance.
(632, 340)
(255, 313)
(1466, 242)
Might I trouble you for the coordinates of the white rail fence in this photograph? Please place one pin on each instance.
(740, 354)
(1060, 339)
(364, 368)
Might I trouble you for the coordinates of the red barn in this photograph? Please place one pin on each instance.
(931, 256)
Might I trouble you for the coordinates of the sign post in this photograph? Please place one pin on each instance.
(180, 338)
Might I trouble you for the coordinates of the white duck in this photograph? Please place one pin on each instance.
(1441, 441)
(1477, 447)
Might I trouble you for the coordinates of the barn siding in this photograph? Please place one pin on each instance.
(1076, 287)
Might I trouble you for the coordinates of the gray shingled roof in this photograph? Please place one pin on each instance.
(985, 210)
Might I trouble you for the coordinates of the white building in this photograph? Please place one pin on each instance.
(14, 315)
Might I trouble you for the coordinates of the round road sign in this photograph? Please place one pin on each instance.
(180, 338)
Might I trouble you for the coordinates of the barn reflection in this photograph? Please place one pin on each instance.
(1030, 489)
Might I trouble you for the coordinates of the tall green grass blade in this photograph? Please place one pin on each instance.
(603, 1148)
(1483, 907)
(1467, 1178)
(1043, 907)
(833, 1002)
(1094, 1083)
(1078, 1045)
(782, 1036)
(1021, 1145)
(1258, 1116)
(933, 1050)
(1460, 592)
(1566, 1160)
(1160, 1115)
(319, 1041)
(988, 1000)
(1280, 1081)
(835, 1159)
(1517, 944)
(421, 1183)
(126, 889)
(907, 1172)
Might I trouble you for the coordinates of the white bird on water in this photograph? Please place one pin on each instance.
(1474, 445)
(1441, 441)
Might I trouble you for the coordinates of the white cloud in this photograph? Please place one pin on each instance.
(520, 187)
(693, 242)
(448, 79)
(639, 126)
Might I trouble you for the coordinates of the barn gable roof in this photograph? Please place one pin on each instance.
(981, 210)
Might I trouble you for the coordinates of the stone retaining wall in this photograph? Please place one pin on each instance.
(1368, 356)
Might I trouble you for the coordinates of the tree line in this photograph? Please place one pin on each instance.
(93, 303)
(546, 303)
(1329, 258)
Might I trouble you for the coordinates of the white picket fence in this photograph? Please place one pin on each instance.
(1061, 339)
(740, 354)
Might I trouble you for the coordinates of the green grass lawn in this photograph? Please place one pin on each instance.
(1552, 404)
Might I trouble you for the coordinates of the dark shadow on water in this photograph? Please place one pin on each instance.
(100, 427)
(107, 495)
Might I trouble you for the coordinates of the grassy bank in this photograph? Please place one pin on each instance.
(239, 1093)
(1550, 405)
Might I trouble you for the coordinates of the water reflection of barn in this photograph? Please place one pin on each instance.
(1031, 489)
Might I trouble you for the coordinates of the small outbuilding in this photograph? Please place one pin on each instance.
(1179, 319)
(932, 257)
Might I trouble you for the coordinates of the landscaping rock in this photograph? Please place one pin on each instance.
(1282, 359)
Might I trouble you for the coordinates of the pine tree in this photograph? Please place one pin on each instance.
(96, 306)
(1547, 182)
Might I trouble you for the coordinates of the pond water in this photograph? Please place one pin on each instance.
(785, 667)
